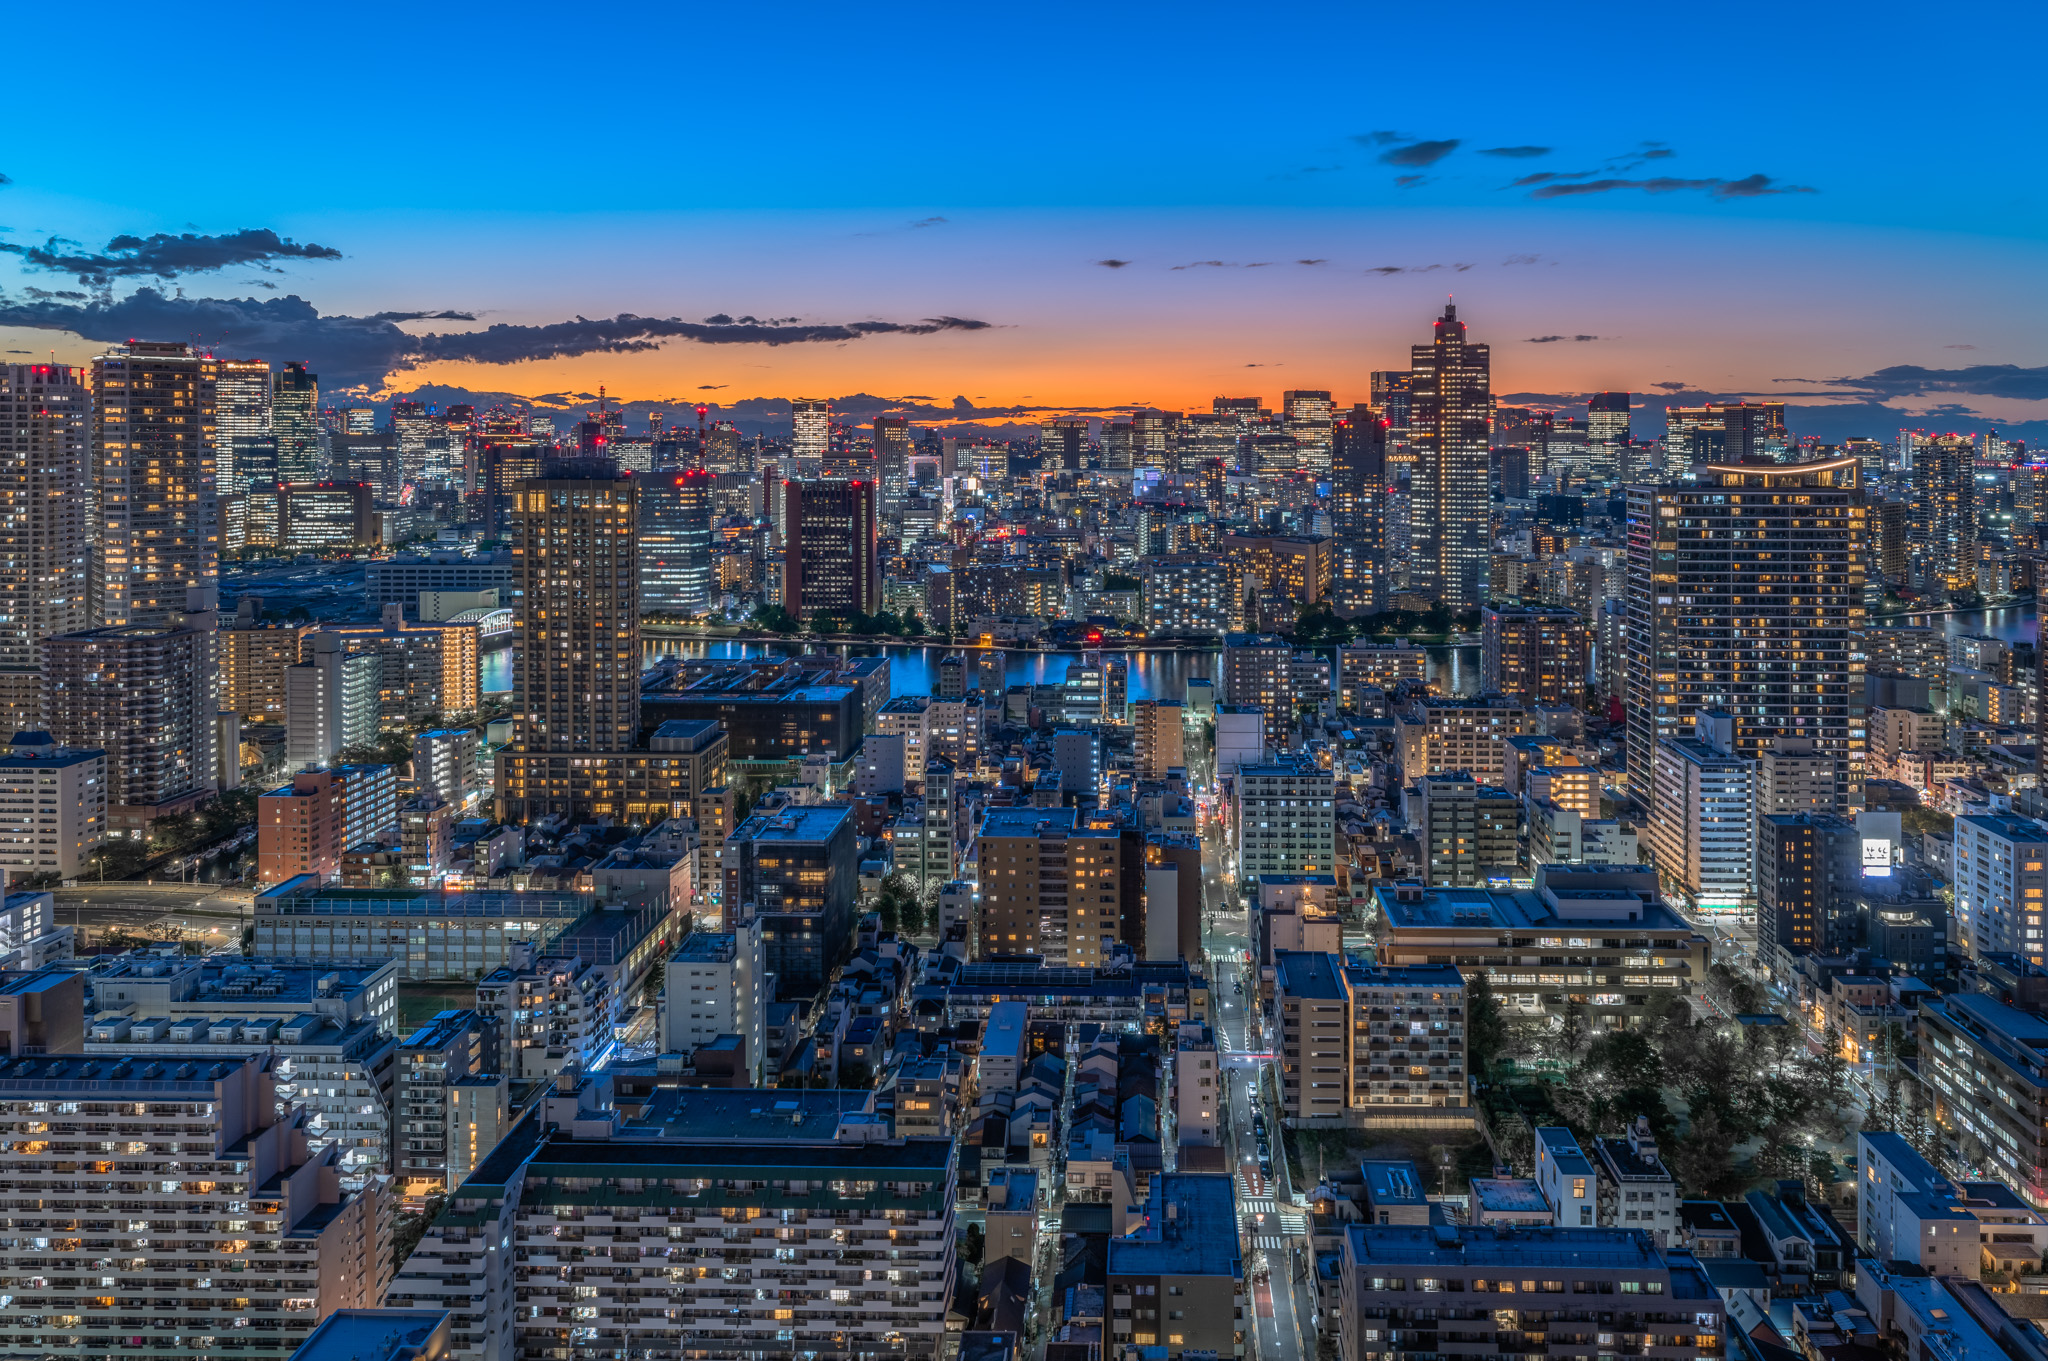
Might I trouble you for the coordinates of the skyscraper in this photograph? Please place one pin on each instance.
(675, 543)
(1064, 438)
(245, 445)
(892, 455)
(295, 416)
(578, 626)
(1607, 438)
(810, 429)
(829, 563)
(1942, 535)
(1309, 418)
(1450, 423)
(1745, 594)
(412, 427)
(1358, 480)
(45, 525)
(157, 533)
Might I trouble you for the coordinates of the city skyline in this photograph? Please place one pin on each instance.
(1029, 259)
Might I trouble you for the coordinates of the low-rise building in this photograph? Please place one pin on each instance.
(1637, 1191)
(1984, 1062)
(1566, 1175)
(1176, 1281)
(1354, 1038)
(714, 986)
(53, 806)
(453, 1046)
(433, 933)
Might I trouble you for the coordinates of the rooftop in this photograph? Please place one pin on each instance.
(815, 822)
(1027, 821)
(1393, 1183)
(706, 947)
(1498, 1246)
(80, 1072)
(1518, 909)
(373, 1335)
(1189, 1229)
(1509, 1195)
(1564, 1150)
(725, 1115)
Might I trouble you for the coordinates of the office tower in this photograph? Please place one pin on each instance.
(1450, 426)
(412, 427)
(359, 420)
(1745, 593)
(295, 419)
(174, 1279)
(46, 526)
(1870, 453)
(1391, 393)
(499, 464)
(1152, 438)
(829, 562)
(1244, 409)
(1942, 535)
(1534, 652)
(1310, 416)
(791, 874)
(1287, 571)
(675, 544)
(1607, 437)
(245, 445)
(810, 432)
(1753, 432)
(1064, 440)
(318, 517)
(157, 533)
(1286, 821)
(1358, 478)
(1891, 541)
(578, 625)
(1050, 885)
(146, 695)
(892, 455)
(331, 700)
(1703, 814)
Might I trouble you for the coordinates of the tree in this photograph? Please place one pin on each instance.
(1485, 1032)
(412, 1227)
(898, 905)
(973, 1243)
(856, 1076)
(774, 618)
(913, 626)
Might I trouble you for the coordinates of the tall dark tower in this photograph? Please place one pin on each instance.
(1358, 487)
(1450, 423)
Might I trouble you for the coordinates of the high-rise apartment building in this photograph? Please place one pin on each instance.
(433, 1060)
(578, 628)
(127, 1260)
(1745, 593)
(1051, 884)
(53, 806)
(330, 700)
(1286, 821)
(306, 826)
(1703, 815)
(1185, 593)
(1450, 425)
(1256, 672)
(245, 444)
(829, 563)
(1942, 528)
(790, 874)
(157, 531)
(1808, 868)
(1358, 510)
(1533, 652)
(1310, 416)
(295, 419)
(46, 523)
(1467, 830)
(1161, 737)
(1355, 1036)
(675, 544)
(810, 429)
(1999, 883)
(145, 695)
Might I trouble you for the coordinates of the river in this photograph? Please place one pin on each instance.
(913, 670)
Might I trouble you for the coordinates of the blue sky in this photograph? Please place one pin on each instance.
(1734, 197)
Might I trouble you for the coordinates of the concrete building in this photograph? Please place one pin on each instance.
(331, 700)
(1999, 882)
(46, 525)
(1240, 737)
(1198, 1079)
(1051, 885)
(1286, 821)
(790, 874)
(454, 1045)
(42, 1010)
(400, 579)
(446, 762)
(547, 1014)
(306, 826)
(1440, 735)
(1809, 869)
(713, 986)
(1567, 1178)
(1176, 1281)
(901, 1190)
(1907, 1212)
(1388, 1274)
(1982, 1064)
(1077, 757)
(429, 933)
(429, 670)
(1534, 653)
(378, 1335)
(1354, 1038)
(696, 749)
(1637, 1191)
(156, 524)
(1702, 825)
(1592, 935)
(253, 658)
(320, 1248)
(1468, 832)
(1160, 737)
(1256, 673)
(53, 806)
(1378, 666)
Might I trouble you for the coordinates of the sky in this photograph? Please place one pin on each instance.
(1017, 209)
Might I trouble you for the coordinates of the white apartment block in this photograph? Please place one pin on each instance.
(1286, 821)
(160, 1208)
(53, 806)
(29, 934)
(1999, 883)
(1702, 824)
(1197, 1086)
(656, 1247)
(1438, 736)
(714, 986)
(552, 1013)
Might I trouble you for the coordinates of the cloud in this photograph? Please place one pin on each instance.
(1203, 264)
(1113, 264)
(1515, 153)
(1959, 347)
(1750, 186)
(1521, 260)
(1545, 340)
(165, 256)
(1410, 181)
(420, 316)
(347, 350)
(5, 181)
(1673, 387)
(1372, 139)
(712, 387)
(1549, 176)
(2007, 381)
(1420, 153)
(1312, 262)
(927, 222)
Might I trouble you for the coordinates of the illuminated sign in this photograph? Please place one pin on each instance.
(1877, 859)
